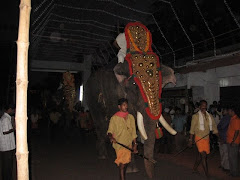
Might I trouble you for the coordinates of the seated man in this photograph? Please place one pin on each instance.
(121, 44)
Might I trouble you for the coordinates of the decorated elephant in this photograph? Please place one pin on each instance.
(140, 79)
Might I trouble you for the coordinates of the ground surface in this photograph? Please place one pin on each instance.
(69, 159)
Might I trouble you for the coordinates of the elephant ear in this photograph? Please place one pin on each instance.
(167, 75)
(121, 71)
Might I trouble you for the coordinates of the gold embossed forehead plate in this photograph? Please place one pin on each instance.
(144, 67)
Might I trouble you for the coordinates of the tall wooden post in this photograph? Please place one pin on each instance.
(21, 88)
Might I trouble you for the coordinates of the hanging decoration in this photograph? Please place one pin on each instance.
(69, 89)
(144, 66)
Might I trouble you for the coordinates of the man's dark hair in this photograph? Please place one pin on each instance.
(178, 109)
(225, 107)
(1, 111)
(122, 100)
(202, 101)
(214, 102)
(235, 108)
(197, 104)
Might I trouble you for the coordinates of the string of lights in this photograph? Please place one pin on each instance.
(43, 12)
(67, 54)
(201, 42)
(46, 17)
(230, 11)
(83, 23)
(39, 6)
(42, 25)
(45, 44)
(96, 10)
(112, 48)
(68, 51)
(47, 41)
(80, 20)
(78, 30)
(157, 50)
(77, 35)
(107, 51)
(146, 13)
(39, 31)
(213, 38)
(96, 56)
(57, 38)
(136, 10)
(173, 52)
(42, 44)
(182, 28)
(103, 56)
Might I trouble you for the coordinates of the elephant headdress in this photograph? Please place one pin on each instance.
(144, 67)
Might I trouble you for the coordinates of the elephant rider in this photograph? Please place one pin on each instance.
(121, 44)
(201, 126)
(122, 129)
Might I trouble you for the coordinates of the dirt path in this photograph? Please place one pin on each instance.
(71, 160)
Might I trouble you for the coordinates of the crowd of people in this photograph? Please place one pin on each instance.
(51, 123)
(56, 119)
(211, 128)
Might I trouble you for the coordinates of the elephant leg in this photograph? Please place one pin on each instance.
(131, 168)
(101, 129)
(149, 148)
(101, 143)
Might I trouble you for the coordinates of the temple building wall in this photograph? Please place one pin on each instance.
(206, 85)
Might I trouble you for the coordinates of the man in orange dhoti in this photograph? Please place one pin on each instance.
(122, 129)
(201, 126)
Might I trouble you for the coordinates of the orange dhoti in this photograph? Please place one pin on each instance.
(123, 156)
(203, 145)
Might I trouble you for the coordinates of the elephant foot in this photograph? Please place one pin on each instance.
(102, 157)
(149, 167)
(131, 169)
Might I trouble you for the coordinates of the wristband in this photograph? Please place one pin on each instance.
(135, 143)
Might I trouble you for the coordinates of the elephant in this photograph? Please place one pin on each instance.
(105, 87)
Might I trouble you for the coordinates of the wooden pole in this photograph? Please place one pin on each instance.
(21, 90)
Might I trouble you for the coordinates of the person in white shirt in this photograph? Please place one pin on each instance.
(7, 143)
(121, 44)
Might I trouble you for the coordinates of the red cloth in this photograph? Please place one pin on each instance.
(203, 145)
(121, 114)
(234, 125)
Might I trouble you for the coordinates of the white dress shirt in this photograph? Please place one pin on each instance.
(7, 141)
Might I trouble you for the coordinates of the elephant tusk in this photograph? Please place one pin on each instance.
(166, 125)
(141, 126)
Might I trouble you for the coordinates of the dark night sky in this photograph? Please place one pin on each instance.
(8, 35)
(8, 47)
